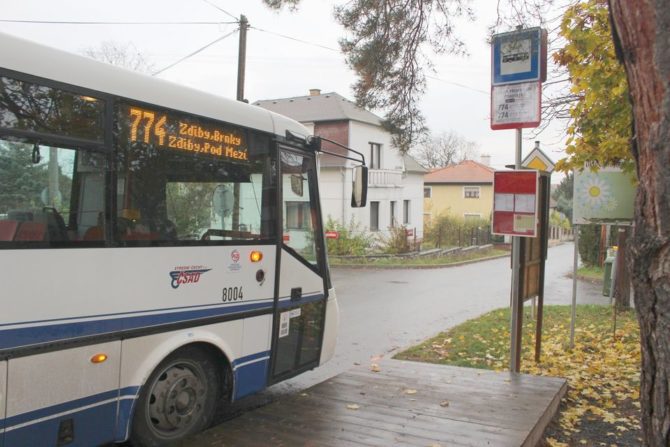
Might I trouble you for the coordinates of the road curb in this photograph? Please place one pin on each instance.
(420, 267)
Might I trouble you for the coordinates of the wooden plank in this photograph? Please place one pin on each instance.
(484, 408)
(463, 407)
(420, 429)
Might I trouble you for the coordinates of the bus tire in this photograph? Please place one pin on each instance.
(179, 398)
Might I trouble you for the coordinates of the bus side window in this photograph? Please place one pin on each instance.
(97, 232)
(8, 230)
(31, 231)
(52, 194)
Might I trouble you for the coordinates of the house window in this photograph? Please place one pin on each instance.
(472, 216)
(374, 216)
(405, 211)
(427, 192)
(375, 155)
(392, 213)
(297, 215)
(471, 192)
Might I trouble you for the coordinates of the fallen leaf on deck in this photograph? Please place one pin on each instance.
(353, 407)
(444, 403)
(375, 368)
(410, 391)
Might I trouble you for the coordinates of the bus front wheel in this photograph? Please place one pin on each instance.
(178, 400)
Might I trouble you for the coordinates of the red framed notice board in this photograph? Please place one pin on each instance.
(515, 203)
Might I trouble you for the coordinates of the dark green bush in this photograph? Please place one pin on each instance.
(589, 244)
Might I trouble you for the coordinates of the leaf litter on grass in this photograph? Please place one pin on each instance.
(602, 369)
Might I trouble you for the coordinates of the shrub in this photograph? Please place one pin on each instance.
(589, 244)
(558, 219)
(396, 242)
(352, 239)
(447, 230)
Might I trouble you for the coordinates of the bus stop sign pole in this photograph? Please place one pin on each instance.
(516, 308)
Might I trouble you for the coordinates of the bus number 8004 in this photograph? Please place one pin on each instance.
(231, 294)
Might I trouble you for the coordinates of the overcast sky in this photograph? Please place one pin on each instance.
(457, 98)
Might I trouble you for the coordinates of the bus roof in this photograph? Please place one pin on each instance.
(39, 60)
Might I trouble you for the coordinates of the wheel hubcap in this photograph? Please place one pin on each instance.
(176, 400)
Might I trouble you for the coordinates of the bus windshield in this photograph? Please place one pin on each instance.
(183, 178)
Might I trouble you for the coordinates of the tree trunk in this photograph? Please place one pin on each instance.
(641, 31)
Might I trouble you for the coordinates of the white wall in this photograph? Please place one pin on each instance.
(413, 191)
(336, 195)
(362, 134)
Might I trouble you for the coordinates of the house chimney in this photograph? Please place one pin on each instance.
(537, 144)
(486, 159)
(314, 92)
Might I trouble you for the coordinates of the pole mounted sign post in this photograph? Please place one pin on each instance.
(515, 203)
(518, 68)
(519, 56)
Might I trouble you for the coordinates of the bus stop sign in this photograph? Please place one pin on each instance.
(519, 56)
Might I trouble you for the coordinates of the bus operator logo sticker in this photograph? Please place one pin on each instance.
(187, 275)
(235, 256)
(235, 265)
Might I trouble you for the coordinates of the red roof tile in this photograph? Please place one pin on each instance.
(467, 171)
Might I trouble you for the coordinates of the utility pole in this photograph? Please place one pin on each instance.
(242, 57)
(241, 66)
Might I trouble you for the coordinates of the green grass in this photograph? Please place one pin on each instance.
(484, 341)
(425, 261)
(594, 273)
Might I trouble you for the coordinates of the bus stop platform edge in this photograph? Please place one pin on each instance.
(403, 404)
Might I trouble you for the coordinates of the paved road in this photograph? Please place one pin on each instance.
(383, 311)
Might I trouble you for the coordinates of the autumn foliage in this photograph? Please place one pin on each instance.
(602, 370)
(600, 128)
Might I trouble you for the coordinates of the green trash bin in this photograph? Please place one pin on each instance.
(608, 268)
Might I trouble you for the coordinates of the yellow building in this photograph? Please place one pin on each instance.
(464, 190)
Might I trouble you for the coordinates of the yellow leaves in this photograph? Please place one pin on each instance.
(602, 369)
(375, 368)
(551, 442)
(600, 110)
(353, 407)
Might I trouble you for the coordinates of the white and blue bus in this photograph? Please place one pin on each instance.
(161, 252)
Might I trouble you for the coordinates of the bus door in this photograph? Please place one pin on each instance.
(3, 393)
(301, 294)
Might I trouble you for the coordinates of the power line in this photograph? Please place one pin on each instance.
(294, 39)
(221, 9)
(459, 85)
(194, 53)
(80, 22)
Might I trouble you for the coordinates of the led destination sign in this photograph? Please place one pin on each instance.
(166, 130)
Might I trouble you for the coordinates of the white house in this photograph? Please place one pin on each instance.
(395, 190)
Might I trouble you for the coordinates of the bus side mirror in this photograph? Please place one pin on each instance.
(359, 190)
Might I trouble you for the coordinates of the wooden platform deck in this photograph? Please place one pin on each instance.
(404, 404)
